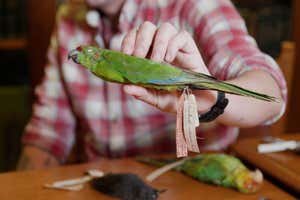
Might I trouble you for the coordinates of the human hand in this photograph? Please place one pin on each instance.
(35, 158)
(164, 44)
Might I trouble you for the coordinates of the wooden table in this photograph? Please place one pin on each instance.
(284, 166)
(28, 185)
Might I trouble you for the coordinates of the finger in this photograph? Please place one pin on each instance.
(144, 39)
(142, 94)
(180, 42)
(190, 64)
(165, 32)
(128, 42)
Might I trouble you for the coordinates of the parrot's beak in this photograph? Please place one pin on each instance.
(74, 55)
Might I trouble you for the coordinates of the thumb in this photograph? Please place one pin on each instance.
(142, 94)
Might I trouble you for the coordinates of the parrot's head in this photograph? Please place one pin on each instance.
(249, 181)
(87, 56)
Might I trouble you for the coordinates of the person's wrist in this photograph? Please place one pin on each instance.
(205, 100)
(216, 110)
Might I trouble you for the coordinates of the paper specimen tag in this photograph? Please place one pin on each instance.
(181, 146)
(186, 123)
(189, 123)
(187, 126)
(193, 103)
(194, 122)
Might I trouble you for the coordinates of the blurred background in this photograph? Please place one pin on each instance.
(25, 27)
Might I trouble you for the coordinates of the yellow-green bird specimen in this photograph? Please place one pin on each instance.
(121, 68)
(218, 169)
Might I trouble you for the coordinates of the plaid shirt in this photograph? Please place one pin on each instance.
(112, 123)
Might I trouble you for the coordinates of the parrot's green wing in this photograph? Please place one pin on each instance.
(143, 71)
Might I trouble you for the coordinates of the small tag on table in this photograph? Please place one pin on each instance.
(181, 146)
(75, 184)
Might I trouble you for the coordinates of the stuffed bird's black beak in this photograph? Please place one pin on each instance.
(74, 55)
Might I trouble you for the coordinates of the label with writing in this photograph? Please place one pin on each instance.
(181, 146)
(189, 124)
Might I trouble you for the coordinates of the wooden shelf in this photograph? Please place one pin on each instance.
(13, 44)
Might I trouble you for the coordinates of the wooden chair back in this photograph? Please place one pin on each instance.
(286, 62)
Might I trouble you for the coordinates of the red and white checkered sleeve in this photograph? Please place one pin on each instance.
(52, 124)
(225, 44)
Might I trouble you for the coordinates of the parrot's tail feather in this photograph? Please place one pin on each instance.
(232, 89)
(208, 82)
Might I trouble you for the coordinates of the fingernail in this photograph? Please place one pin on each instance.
(127, 50)
(155, 58)
(128, 89)
(132, 89)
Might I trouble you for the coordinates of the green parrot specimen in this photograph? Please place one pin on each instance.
(121, 68)
(218, 169)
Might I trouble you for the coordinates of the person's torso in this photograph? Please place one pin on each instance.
(111, 122)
